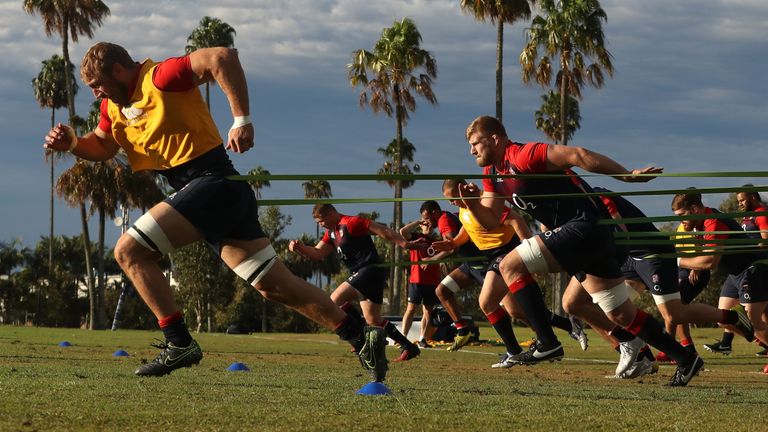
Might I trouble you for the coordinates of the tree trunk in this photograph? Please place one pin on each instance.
(88, 268)
(499, 68)
(67, 63)
(50, 232)
(101, 313)
(563, 111)
(398, 216)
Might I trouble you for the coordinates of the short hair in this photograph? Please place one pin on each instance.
(686, 200)
(322, 210)
(453, 184)
(754, 194)
(429, 206)
(101, 58)
(486, 125)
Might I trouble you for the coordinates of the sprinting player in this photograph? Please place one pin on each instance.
(576, 244)
(350, 236)
(748, 273)
(729, 294)
(494, 244)
(422, 281)
(748, 202)
(155, 113)
(659, 276)
(465, 275)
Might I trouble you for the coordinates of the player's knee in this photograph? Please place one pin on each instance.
(531, 258)
(610, 300)
(447, 288)
(127, 252)
(256, 267)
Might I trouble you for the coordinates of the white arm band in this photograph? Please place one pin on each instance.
(240, 121)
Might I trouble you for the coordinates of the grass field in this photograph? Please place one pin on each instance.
(308, 382)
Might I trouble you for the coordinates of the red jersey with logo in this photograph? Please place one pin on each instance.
(755, 223)
(531, 158)
(430, 276)
(733, 264)
(353, 242)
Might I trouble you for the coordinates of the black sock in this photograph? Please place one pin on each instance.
(561, 322)
(352, 311)
(502, 323)
(647, 354)
(351, 331)
(462, 327)
(528, 295)
(177, 333)
(727, 339)
(394, 334)
(648, 329)
(621, 334)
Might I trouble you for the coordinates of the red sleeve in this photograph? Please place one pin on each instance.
(487, 182)
(174, 75)
(447, 226)
(358, 226)
(714, 225)
(528, 158)
(105, 123)
(761, 221)
(326, 238)
(612, 210)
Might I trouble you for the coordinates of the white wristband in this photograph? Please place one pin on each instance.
(240, 121)
(72, 139)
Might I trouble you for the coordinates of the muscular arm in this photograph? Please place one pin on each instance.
(565, 157)
(223, 66)
(94, 146)
(317, 253)
(387, 234)
(703, 262)
(406, 229)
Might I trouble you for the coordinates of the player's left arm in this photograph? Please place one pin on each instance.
(223, 66)
(564, 157)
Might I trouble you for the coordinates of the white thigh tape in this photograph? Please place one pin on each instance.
(255, 267)
(612, 298)
(661, 299)
(451, 284)
(147, 232)
(530, 253)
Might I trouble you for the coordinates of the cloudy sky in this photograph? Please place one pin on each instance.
(688, 94)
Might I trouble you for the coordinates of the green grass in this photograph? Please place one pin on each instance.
(308, 382)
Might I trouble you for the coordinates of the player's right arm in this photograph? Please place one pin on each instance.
(95, 146)
(317, 253)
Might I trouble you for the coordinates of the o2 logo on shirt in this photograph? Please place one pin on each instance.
(132, 114)
(521, 203)
(341, 253)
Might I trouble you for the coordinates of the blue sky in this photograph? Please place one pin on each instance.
(688, 94)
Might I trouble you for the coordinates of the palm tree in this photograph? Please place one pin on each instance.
(317, 189)
(571, 32)
(548, 116)
(399, 68)
(211, 32)
(257, 185)
(50, 92)
(498, 12)
(390, 152)
(70, 18)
